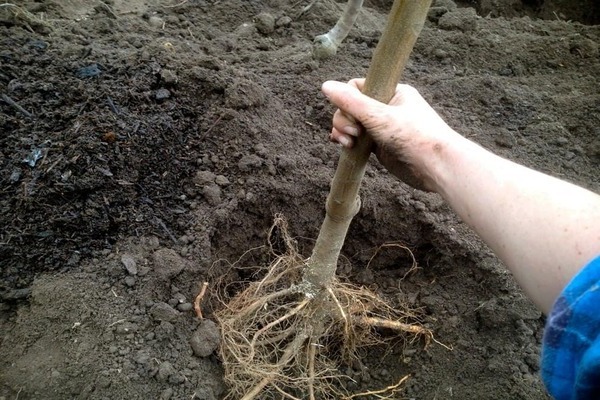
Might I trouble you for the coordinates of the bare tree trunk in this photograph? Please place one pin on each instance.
(405, 21)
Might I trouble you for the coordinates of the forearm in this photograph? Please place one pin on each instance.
(542, 228)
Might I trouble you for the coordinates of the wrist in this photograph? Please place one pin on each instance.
(442, 157)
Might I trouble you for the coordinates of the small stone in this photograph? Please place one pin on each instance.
(168, 77)
(249, 162)
(164, 312)
(183, 307)
(212, 194)
(284, 21)
(130, 281)
(205, 339)
(440, 54)
(204, 178)
(167, 263)
(129, 262)
(156, 22)
(561, 141)
(265, 23)
(222, 180)
(162, 94)
(246, 30)
(15, 176)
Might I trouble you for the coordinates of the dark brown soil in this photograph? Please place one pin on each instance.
(147, 144)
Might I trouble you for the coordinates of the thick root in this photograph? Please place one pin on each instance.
(280, 343)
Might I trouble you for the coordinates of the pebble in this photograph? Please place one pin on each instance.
(265, 23)
(246, 30)
(156, 22)
(129, 281)
(204, 178)
(440, 54)
(164, 312)
(183, 307)
(167, 263)
(15, 176)
(212, 194)
(284, 21)
(222, 180)
(168, 77)
(249, 162)
(205, 339)
(162, 94)
(129, 262)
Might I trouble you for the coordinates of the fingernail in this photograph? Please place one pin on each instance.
(325, 88)
(344, 141)
(350, 130)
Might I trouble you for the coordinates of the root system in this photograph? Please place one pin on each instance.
(281, 342)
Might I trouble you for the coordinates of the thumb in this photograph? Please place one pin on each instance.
(350, 100)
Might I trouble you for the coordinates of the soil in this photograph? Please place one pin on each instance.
(147, 145)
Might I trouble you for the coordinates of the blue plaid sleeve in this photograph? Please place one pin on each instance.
(571, 345)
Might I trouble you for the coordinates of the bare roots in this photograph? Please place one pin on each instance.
(280, 343)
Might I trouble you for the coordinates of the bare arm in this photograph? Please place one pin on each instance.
(542, 228)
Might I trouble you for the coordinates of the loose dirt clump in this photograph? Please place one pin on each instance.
(145, 146)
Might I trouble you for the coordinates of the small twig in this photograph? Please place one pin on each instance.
(198, 300)
(304, 9)
(112, 105)
(12, 103)
(167, 231)
(211, 127)
(388, 389)
(117, 322)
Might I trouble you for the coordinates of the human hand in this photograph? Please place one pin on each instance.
(409, 135)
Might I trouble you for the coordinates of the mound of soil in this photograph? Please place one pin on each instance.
(147, 145)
